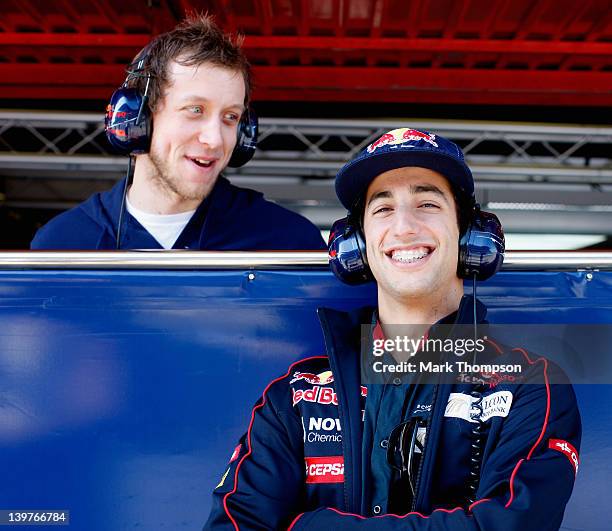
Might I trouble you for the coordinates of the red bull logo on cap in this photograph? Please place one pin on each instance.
(323, 378)
(401, 136)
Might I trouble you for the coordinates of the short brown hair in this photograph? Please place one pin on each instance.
(197, 40)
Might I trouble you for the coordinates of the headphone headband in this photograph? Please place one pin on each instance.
(129, 125)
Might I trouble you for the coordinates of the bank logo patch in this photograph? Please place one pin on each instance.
(460, 406)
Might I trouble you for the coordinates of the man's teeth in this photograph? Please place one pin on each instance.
(203, 162)
(409, 256)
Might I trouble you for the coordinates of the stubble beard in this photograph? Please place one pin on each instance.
(164, 178)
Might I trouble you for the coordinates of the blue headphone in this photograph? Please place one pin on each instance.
(128, 123)
(481, 248)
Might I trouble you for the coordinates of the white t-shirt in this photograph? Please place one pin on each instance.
(165, 228)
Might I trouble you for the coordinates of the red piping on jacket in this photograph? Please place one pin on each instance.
(512, 476)
(544, 426)
(341, 513)
(259, 406)
(495, 346)
(477, 503)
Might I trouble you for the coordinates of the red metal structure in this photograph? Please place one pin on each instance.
(539, 52)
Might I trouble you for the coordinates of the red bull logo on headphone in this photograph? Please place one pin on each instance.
(401, 136)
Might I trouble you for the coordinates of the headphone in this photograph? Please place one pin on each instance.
(128, 122)
(481, 248)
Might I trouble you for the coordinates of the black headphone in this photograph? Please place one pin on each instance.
(128, 123)
(481, 248)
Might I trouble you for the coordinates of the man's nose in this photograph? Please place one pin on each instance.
(405, 221)
(210, 133)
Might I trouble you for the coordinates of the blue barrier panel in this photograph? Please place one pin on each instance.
(122, 394)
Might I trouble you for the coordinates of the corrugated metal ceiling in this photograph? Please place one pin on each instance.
(544, 52)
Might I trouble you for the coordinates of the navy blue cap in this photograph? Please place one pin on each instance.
(402, 148)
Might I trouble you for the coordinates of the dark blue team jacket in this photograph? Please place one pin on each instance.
(303, 463)
(229, 219)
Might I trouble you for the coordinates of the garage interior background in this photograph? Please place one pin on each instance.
(524, 86)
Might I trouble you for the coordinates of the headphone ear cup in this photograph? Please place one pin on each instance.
(481, 247)
(347, 253)
(125, 133)
(246, 143)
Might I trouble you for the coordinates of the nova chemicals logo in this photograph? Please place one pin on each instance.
(323, 430)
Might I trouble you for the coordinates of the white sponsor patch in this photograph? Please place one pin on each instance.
(319, 423)
(494, 405)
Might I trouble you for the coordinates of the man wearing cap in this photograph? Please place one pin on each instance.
(337, 444)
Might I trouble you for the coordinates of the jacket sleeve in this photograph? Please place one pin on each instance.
(526, 478)
(71, 230)
(262, 486)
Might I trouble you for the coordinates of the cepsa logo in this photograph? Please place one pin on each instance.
(325, 469)
(401, 136)
(323, 378)
(319, 395)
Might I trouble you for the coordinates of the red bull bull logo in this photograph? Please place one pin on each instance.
(401, 136)
(323, 378)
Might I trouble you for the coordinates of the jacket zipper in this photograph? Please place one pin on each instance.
(425, 447)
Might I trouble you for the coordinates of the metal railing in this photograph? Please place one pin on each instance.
(159, 259)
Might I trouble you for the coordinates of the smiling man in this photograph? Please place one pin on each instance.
(373, 435)
(197, 85)
(411, 222)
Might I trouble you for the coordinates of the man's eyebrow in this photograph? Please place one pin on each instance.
(194, 98)
(383, 194)
(425, 188)
(414, 189)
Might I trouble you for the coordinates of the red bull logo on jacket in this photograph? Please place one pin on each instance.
(401, 136)
(319, 395)
(323, 378)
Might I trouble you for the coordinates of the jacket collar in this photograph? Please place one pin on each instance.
(342, 333)
(218, 201)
